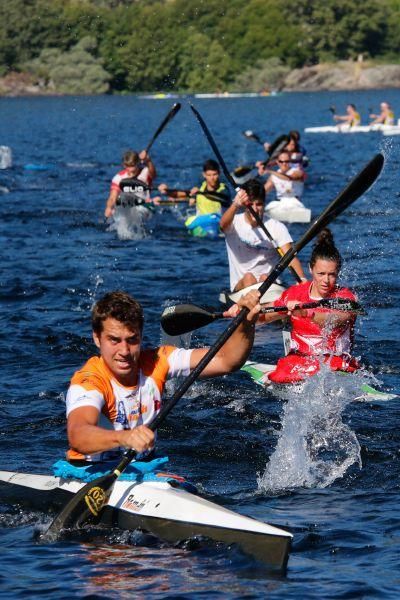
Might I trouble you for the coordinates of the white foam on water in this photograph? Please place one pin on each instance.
(314, 447)
(129, 222)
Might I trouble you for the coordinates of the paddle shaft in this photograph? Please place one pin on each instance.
(237, 188)
(175, 108)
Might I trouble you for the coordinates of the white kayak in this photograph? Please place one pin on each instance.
(171, 513)
(274, 292)
(259, 374)
(289, 210)
(385, 129)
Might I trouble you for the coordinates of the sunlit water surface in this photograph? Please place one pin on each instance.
(316, 462)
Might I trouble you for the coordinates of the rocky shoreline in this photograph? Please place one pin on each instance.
(340, 76)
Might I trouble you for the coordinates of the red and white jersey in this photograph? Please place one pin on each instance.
(124, 407)
(144, 176)
(309, 338)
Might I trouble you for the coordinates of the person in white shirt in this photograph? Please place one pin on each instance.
(251, 253)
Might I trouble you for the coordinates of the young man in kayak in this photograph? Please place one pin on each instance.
(212, 183)
(124, 385)
(351, 118)
(138, 170)
(251, 254)
(318, 334)
(287, 181)
(386, 116)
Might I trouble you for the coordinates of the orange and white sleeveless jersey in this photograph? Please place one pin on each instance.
(125, 407)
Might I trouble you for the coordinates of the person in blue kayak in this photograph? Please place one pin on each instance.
(114, 396)
(208, 208)
(251, 254)
(135, 178)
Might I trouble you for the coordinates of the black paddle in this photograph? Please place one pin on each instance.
(183, 318)
(133, 200)
(250, 135)
(175, 108)
(90, 500)
(273, 152)
(333, 110)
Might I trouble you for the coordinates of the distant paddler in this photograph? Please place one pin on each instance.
(206, 200)
(385, 117)
(198, 195)
(252, 254)
(352, 118)
(132, 184)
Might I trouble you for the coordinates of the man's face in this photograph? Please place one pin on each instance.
(119, 347)
(258, 207)
(284, 162)
(212, 178)
(133, 170)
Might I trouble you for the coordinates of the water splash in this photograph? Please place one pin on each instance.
(129, 222)
(315, 447)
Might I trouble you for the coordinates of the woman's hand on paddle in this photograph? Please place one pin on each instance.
(140, 438)
(295, 309)
(251, 301)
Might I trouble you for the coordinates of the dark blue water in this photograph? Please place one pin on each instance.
(58, 256)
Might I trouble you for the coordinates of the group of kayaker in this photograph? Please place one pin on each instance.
(352, 118)
(124, 384)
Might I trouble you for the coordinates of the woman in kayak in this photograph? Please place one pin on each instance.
(318, 334)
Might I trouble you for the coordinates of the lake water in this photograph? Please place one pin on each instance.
(229, 436)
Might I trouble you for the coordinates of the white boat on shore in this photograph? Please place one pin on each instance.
(165, 510)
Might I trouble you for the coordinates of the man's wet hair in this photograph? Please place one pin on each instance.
(130, 158)
(255, 189)
(211, 165)
(120, 306)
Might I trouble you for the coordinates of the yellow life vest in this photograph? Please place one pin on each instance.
(205, 206)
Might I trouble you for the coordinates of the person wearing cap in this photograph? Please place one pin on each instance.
(138, 169)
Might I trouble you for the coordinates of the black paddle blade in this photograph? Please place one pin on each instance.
(243, 170)
(278, 145)
(85, 506)
(176, 107)
(182, 318)
(250, 135)
(332, 109)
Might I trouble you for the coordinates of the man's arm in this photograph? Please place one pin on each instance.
(111, 201)
(86, 437)
(239, 201)
(144, 157)
(236, 349)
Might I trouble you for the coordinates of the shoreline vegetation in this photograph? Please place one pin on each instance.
(70, 47)
(339, 76)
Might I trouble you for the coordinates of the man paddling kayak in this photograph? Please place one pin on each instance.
(123, 386)
(385, 117)
(251, 253)
(317, 334)
(212, 183)
(135, 179)
(352, 118)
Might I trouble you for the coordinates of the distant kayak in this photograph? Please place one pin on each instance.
(203, 225)
(39, 167)
(378, 128)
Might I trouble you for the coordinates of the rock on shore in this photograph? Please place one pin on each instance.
(343, 75)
